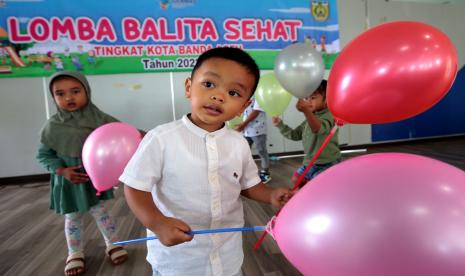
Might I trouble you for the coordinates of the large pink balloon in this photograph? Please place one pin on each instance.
(106, 152)
(378, 214)
(391, 72)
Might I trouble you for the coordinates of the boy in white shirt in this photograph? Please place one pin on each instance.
(189, 174)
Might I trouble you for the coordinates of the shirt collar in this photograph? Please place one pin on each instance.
(200, 131)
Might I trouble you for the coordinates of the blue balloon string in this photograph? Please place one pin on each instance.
(208, 231)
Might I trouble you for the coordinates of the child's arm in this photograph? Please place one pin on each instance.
(48, 158)
(170, 231)
(250, 118)
(306, 108)
(55, 165)
(73, 174)
(263, 193)
(292, 134)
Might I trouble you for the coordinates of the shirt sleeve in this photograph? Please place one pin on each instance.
(110, 119)
(289, 133)
(144, 169)
(250, 176)
(256, 106)
(327, 123)
(49, 159)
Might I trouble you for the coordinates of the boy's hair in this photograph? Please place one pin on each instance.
(234, 54)
(322, 89)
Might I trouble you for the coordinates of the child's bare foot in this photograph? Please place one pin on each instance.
(75, 264)
(117, 254)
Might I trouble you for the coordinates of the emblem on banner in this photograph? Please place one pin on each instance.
(176, 4)
(320, 10)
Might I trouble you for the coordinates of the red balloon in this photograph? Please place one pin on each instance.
(391, 72)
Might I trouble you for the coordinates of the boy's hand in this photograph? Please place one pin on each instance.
(73, 174)
(304, 104)
(171, 231)
(280, 196)
(275, 120)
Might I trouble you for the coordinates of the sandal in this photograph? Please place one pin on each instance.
(117, 254)
(75, 264)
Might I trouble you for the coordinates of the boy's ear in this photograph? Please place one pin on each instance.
(325, 103)
(187, 87)
(244, 107)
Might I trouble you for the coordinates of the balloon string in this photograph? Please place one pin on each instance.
(310, 164)
(220, 230)
(301, 178)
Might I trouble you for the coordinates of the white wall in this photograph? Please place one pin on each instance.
(355, 16)
(22, 113)
(146, 100)
(450, 18)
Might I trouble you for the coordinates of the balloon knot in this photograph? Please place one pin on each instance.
(270, 226)
(339, 122)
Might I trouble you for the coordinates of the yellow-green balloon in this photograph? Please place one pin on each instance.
(271, 96)
(234, 121)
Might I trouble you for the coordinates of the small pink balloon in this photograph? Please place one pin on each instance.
(107, 151)
(378, 214)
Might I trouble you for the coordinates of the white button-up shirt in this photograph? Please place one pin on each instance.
(195, 176)
(258, 125)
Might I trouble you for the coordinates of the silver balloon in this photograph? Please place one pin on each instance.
(299, 68)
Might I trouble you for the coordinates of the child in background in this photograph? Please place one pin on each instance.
(254, 127)
(71, 192)
(189, 174)
(313, 131)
